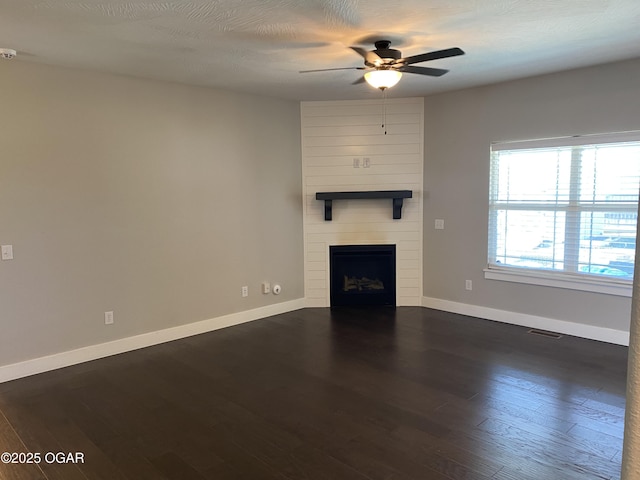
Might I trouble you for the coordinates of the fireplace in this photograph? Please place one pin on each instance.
(362, 275)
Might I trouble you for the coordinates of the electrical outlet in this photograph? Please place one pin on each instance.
(266, 287)
(468, 284)
(108, 318)
(356, 162)
(439, 224)
(7, 252)
(245, 291)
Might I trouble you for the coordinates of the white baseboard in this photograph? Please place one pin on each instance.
(602, 334)
(93, 352)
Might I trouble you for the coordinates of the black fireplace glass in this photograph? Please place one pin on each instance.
(362, 275)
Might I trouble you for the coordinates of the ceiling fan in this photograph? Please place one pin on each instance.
(385, 65)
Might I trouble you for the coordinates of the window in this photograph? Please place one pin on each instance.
(563, 212)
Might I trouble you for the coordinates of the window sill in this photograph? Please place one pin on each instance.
(558, 280)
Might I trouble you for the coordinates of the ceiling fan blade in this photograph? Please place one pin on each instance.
(449, 52)
(432, 72)
(370, 58)
(359, 81)
(360, 51)
(332, 69)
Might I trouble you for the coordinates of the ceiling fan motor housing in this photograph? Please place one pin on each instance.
(384, 52)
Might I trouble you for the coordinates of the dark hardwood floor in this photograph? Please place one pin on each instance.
(354, 394)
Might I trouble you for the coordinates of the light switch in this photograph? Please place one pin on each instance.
(7, 252)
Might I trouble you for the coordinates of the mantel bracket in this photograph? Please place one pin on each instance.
(397, 208)
(328, 205)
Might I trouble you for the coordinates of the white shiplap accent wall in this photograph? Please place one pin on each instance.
(333, 135)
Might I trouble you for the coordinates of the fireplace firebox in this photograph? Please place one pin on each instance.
(362, 275)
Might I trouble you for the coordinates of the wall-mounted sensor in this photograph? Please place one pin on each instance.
(7, 53)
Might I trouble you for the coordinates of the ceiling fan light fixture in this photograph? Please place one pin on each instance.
(383, 79)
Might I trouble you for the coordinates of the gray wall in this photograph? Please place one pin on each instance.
(154, 200)
(459, 127)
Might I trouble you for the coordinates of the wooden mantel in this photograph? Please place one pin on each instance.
(397, 195)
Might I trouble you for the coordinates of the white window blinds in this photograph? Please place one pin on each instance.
(566, 205)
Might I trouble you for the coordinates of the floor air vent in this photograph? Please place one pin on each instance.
(542, 333)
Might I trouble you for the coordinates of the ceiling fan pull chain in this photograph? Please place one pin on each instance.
(384, 110)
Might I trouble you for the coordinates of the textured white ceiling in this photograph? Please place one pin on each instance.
(260, 45)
